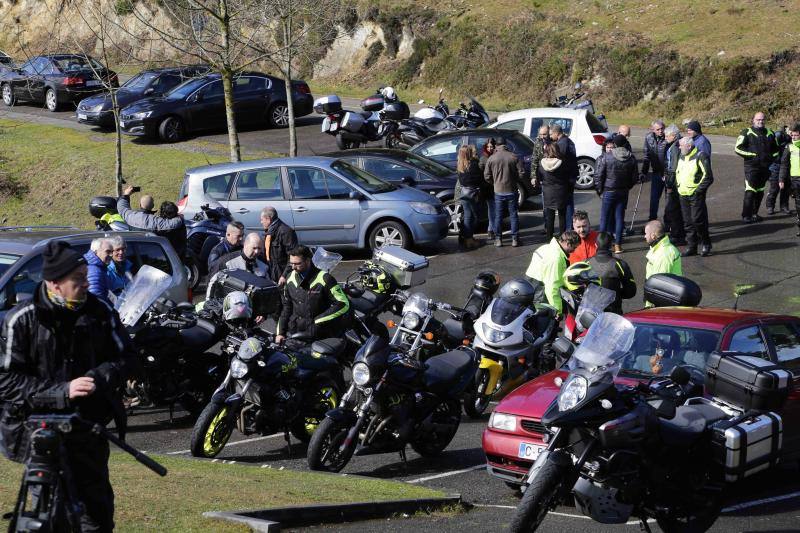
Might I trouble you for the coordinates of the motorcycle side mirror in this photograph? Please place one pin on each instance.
(563, 347)
(408, 180)
(664, 408)
(355, 195)
(587, 319)
(680, 376)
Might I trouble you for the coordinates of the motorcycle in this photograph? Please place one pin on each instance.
(269, 388)
(644, 451)
(589, 299)
(575, 101)
(394, 400)
(511, 336)
(173, 344)
(472, 116)
(355, 128)
(428, 121)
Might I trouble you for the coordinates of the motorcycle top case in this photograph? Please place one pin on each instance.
(328, 104)
(264, 294)
(396, 111)
(353, 122)
(665, 290)
(747, 444)
(102, 205)
(372, 103)
(407, 268)
(746, 381)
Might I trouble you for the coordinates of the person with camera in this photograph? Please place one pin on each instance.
(167, 223)
(66, 351)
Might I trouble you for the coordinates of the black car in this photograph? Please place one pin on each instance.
(443, 148)
(98, 110)
(198, 104)
(55, 80)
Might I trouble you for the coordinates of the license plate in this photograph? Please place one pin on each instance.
(92, 83)
(529, 451)
(82, 116)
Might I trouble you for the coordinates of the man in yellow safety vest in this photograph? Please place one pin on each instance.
(790, 169)
(692, 178)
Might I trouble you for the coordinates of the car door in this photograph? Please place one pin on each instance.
(250, 99)
(784, 340)
(207, 107)
(322, 208)
(253, 191)
(36, 82)
(20, 84)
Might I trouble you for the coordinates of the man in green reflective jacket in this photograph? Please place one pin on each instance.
(313, 302)
(693, 177)
(547, 267)
(790, 169)
(662, 257)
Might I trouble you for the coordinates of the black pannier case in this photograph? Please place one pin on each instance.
(264, 294)
(746, 381)
(372, 103)
(396, 111)
(665, 290)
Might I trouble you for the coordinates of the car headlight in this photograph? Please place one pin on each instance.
(360, 374)
(573, 393)
(503, 421)
(410, 320)
(141, 114)
(423, 208)
(238, 368)
(495, 335)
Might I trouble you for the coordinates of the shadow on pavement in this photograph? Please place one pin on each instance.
(447, 460)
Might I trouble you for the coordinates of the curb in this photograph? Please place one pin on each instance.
(271, 520)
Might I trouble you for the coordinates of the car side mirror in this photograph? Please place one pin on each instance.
(408, 180)
(355, 195)
(680, 376)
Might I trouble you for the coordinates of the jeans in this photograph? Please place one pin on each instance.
(503, 200)
(612, 213)
(490, 213)
(775, 191)
(470, 219)
(656, 190)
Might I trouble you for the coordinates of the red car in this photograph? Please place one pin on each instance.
(513, 437)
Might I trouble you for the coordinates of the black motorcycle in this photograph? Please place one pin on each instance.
(270, 388)
(394, 400)
(623, 451)
(469, 116)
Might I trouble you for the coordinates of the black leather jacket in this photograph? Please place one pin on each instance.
(655, 152)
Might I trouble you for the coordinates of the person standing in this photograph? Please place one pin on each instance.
(546, 270)
(470, 180)
(625, 131)
(673, 218)
(653, 163)
(566, 149)
(693, 177)
(790, 169)
(588, 245)
(615, 274)
(487, 189)
(776, 189)
(119, 269)
(248, 258)
(555, 190)
(757, 146)
(701, 142)
(279, 238)
(232, 242)
(167, 223)
(97, 260)
(67, 351)
(662, 257)
(504, 172)
(615, 177)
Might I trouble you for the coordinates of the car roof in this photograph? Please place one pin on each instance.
(554, 112)
(21, 242)
(65, 56)
(160, 70)
(223, 168)
(386, 152)
(492, 132)
(704, 317)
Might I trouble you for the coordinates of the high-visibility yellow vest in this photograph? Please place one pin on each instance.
(686, 173)
(794, 160)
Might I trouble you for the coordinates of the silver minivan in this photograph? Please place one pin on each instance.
(326, 200)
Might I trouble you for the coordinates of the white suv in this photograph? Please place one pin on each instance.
(585, 130)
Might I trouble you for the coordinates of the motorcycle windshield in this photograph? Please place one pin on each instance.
(145, 288)
(325, 260)
(417, 303)
(607, 342)
(478, 108)
(594, 302)
(504, 312)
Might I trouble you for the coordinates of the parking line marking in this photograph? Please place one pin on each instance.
(245, 441)
(628, 523)
(756, 503)
(447, 474)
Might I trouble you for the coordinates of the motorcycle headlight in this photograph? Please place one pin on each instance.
(411, 321)
(495, 335)
(503, 421)
(141, 114)
(238, 368)
(360, 374)
(423, 208)
(573, 393)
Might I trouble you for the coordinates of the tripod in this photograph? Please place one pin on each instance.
(47, 481)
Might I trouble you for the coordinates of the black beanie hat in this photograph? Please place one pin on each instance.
(59, 260)
(694, 126)
(619, 140)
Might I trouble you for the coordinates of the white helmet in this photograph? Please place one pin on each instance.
(389, 95)
(236, 306)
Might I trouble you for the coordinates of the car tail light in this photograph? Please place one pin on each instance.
(70, 81)
(600, 139)
(302, 88)
(182, 204)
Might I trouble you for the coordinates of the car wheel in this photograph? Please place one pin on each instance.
(456, 214)
(8, 95)
(171, 130)
(585, 174)
(51, 100)
(521, 197)
(278, 116)
(389, 233)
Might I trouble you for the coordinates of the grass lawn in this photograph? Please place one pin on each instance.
(145, 501)
(62, 169)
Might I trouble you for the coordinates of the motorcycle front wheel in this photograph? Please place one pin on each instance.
(322, 399)
(477, 398)
(211, 431)
(538, 498)
(323, 450)
(432, 443)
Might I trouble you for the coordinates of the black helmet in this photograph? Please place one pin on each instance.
(518, 291)
(487, 280)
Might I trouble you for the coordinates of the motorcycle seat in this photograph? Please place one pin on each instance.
(329, 347)
(308, 364)
(443, 372)
(367, 302)
(201, 336)
(689, 423)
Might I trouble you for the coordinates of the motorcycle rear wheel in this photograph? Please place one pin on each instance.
(537, 499)
(211, 431)
(345, 145)
(432, 444)
(323, 398)
(476, 403)
(323, 453)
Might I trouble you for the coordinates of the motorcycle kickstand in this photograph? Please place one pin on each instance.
(288, 439)
(643, 526)
(171, 412)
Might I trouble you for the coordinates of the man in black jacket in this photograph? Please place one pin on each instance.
(66, 351)
(759, 149)
(653, 162)
(615, 274)
(673, 218)
(279, 238)
(570, 157)
(776, 187)
(232, 242)
(616, 173)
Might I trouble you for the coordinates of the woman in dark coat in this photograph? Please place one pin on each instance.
(487, 192)
(556, 189)
(470, 181)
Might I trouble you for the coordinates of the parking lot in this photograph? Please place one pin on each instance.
(763, 253)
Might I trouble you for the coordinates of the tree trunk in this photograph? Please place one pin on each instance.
(117, 143)
(233, 135)
(287, 79)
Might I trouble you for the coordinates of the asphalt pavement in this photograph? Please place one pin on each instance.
(764, 253)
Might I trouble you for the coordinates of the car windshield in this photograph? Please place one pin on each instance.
(140, 81)
(185, 89)
(6, 260)
(658, 348)
(76, 63)
(362, 178)
(427, 165)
